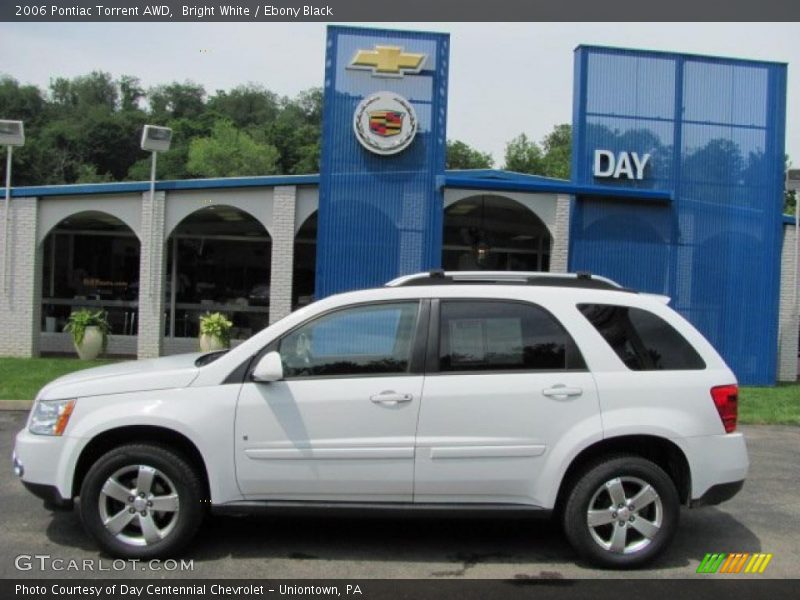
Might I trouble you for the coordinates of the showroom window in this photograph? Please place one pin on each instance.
(91, 260)
(218, 260)
(503, 336)
(494, 233)
(373, 339)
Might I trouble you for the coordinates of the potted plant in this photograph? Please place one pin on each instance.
(215, 332)
(89, 332)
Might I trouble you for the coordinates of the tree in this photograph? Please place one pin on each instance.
(557, 146)
(131, 91)
(524, 156)
(246, 105)
(229, 152)
(176, 101)
(789, 196)
(97, 89)
(462, 156)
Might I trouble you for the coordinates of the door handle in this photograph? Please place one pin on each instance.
(390, 398)
(562, 392)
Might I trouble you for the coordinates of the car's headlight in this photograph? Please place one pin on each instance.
(50, 417)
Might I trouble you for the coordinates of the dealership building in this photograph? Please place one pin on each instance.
(677, 189)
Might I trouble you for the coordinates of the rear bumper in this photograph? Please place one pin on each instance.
(719, 466)
(717, 494)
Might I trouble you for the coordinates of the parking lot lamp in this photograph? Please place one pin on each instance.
(155, 139)
(12, 133)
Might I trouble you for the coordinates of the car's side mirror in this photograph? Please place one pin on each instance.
(269, 368)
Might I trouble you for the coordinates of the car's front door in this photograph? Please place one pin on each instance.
(505, 385)
(341, 425)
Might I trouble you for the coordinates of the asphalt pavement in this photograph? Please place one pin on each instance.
(764, 517)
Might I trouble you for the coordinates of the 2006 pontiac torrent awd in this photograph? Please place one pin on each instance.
(490, 391)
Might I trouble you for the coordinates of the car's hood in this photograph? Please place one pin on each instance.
(122, 377)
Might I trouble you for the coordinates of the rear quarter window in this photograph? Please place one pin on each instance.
(642, 340)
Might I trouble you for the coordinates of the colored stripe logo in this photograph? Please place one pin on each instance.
(737, 562)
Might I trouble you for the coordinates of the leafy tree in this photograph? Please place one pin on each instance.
(97, 89)
(21, 102)
(131, 92)
(246, 105)
(229, 152)
(463, 156)
(557, 146)
(88, 174)
(176, 101)
(524, 156)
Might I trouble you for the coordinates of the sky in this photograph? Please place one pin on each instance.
(505, 78)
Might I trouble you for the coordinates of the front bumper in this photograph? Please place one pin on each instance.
(43, 464)
(50, 494)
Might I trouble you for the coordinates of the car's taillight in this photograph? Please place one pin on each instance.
(726, 399)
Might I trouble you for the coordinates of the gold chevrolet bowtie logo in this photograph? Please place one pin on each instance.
(388, 61)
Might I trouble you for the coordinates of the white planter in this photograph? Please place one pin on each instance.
(210, 343)
(91, 345)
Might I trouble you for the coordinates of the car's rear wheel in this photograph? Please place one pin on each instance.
(142, 501)
(622, 512)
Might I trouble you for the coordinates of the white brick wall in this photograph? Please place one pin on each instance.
(152, 271)
(559, 259)
(283, 216)
(788, 322)
(20, 294)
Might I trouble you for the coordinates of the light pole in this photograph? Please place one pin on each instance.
(12, 133)
(155, 139)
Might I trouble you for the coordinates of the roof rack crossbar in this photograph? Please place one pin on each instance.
(582, 279)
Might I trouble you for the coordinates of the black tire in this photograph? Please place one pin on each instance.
(591, 484)
(173, 475)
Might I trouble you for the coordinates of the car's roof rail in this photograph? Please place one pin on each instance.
(581, 279)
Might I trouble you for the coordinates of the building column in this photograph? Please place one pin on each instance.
(20, 289)
(559, 259)
(788, 320)
(284, 199)
(152, 268)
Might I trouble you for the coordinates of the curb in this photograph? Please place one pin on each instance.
(15, 405)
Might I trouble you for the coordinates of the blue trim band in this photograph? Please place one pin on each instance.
(143, 186)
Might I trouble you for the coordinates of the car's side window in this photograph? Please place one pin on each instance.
(367, 339)
(641, 339)
(478, 335)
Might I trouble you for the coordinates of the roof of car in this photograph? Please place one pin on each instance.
(581, 279)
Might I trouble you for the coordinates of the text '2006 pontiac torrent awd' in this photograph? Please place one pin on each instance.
(495, 391)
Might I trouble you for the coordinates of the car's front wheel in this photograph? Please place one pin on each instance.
(142, 501)
(622, 512)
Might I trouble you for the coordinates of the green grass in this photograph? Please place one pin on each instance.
(22, 378)
(770, 405)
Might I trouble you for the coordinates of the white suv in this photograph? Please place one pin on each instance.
(440, 391)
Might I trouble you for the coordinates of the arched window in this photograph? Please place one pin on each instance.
(91, 260)
(494, 233)
(218, 260)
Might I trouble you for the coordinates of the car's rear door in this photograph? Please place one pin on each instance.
(505, 384)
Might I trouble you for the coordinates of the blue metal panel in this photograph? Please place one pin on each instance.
(715, 130)
(380, 216)
(124, 187)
